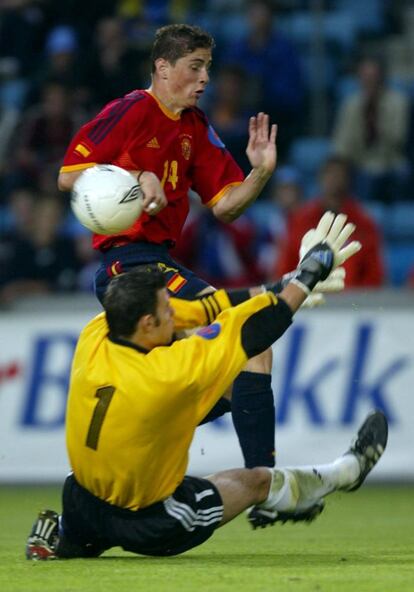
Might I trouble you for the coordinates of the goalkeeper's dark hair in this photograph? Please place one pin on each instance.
(131, 295)
(173, 42)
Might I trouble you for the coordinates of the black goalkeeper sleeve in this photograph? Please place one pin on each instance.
(265, 327)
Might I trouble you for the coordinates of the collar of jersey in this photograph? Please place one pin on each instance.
(164, 109)
(127, 343)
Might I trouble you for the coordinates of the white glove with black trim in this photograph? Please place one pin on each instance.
(322, 251)
(334, 283)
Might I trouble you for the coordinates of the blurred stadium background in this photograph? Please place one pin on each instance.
(303, 61)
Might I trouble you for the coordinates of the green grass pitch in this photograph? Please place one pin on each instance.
(364, 541)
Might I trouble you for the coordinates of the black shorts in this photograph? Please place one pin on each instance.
(184, 520)
(181, 282)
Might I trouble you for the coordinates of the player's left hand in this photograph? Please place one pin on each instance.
(261, 148)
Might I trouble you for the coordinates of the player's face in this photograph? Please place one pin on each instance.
(188, 78)
(164, 327)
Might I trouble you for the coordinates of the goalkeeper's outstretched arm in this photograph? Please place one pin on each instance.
(322, 253)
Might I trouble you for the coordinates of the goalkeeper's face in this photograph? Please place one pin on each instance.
(163, 327)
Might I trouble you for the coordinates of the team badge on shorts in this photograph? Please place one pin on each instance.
(210, 332)
(175, 284)
(114, 269)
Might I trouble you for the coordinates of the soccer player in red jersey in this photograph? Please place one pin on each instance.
(161, 135)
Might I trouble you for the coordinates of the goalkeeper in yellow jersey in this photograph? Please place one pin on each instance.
(136, 396)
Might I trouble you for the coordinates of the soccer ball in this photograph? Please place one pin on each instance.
(106, 199)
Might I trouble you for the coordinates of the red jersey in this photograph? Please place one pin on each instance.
(364, 269)
(137, 132)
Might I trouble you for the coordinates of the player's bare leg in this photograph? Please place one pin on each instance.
(240, 489)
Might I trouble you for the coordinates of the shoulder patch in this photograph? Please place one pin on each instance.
(209, 332)
(214, 137)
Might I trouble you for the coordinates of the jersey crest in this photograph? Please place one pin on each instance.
(186, 147)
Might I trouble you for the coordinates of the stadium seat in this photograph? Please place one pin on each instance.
(233, 26)
(308, 154)
(404, 85)
(379, 212)
(400, 221)
(367, 16)
(345, 86)
(341, 27)
(338, 27)
(320, 72)
(399, 261)
(6, 221)
(299, 27)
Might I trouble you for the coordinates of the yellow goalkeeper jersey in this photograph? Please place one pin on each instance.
(132, 413)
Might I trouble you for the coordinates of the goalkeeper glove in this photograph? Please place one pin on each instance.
(323, 250)
(334, 283)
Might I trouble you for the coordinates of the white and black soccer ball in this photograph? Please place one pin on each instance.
(106, 199)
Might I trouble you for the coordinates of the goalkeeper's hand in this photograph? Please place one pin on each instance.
(334, 283)
(332, 230)
(323, 250)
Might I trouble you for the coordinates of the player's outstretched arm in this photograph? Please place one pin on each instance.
(261, 151)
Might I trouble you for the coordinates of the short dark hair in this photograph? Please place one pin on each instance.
(131, 295)
(172, 42)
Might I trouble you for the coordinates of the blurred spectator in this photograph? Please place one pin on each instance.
(158, 12)
(228, 112)
(85, 252)
(9, 118)
(271, 216)
(22, 27)
(40, 140)
(39, 260)
(89, 262)
(113, 67)
(365, 269)
(64, 63)
(275, 81)
(287, 191)
(21, 206)
(224, 255)
(372, 132)
(81, 14)
(61, 47)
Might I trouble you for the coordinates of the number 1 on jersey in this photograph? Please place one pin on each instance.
(104, 396)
